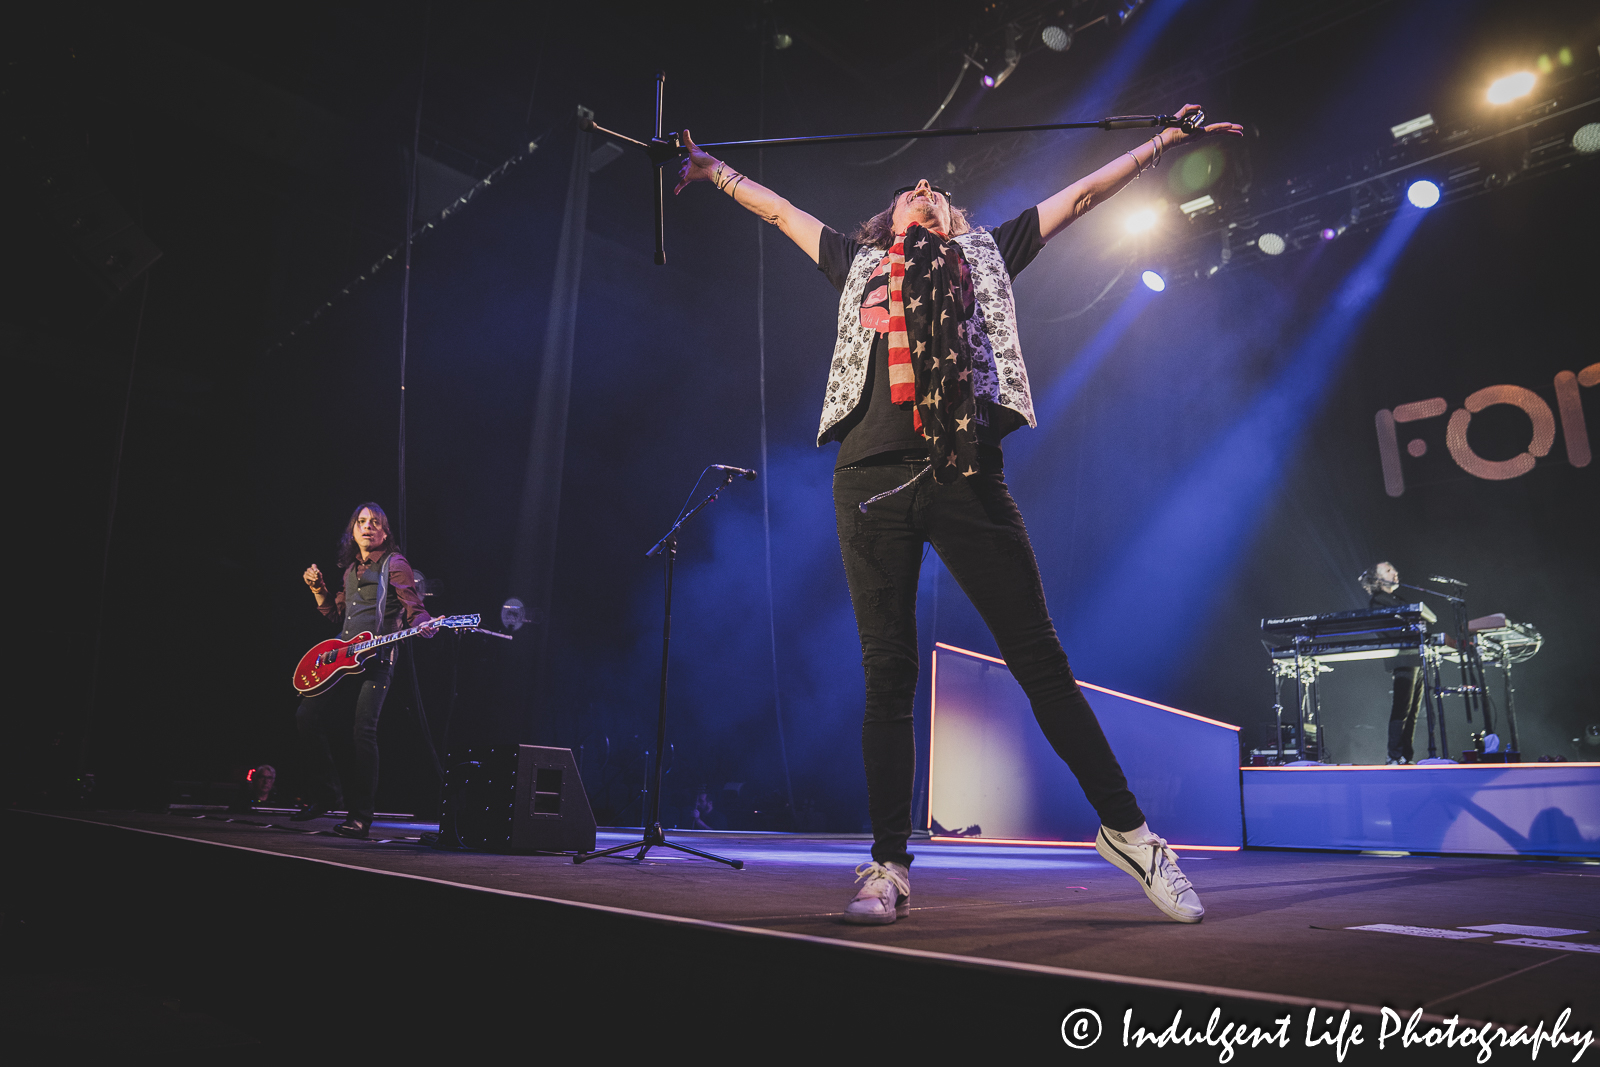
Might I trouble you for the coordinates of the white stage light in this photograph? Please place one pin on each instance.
(1423, 193)
(1057, 38)
(1153, 281)
(1140, 221)
(1507, 89)
(1200, 203)
(1411, 126)
(1271, 244)
(1587, 138)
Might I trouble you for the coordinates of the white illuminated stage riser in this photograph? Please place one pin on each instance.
(1524, 809)
(991, 766)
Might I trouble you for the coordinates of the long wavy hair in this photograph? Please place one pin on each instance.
(878, 231)
(349, 551)
(1369, 579)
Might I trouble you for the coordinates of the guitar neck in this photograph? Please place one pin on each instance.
(386, 639)
(454, 622)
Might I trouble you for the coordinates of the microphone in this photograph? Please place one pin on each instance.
(749, 475)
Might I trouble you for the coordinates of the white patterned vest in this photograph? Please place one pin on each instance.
(998, 374)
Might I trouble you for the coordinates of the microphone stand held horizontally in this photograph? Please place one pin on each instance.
(667, 548)
(667, 147)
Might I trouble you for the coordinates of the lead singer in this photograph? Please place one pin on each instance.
(926, 380)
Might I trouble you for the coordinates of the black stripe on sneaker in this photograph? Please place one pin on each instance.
(1143, 874)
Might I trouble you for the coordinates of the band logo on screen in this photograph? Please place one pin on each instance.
(1569, 404)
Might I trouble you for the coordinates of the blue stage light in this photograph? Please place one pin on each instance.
(1190, 546)
(1423, 193)
(1153, 281)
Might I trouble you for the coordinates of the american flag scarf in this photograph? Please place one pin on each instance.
(930, 366)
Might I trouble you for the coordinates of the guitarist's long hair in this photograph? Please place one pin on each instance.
(349, 551)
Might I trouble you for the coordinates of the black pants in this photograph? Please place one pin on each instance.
(975, 527)
(312, 720)
(1403, 712)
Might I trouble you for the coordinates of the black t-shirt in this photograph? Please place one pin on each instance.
(1381, 598)
(876, 425)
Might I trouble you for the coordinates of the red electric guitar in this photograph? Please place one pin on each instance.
(331, 660)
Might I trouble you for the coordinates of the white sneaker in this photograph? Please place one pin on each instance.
(885, 897)
(1147, 857)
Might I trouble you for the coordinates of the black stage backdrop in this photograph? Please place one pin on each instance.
(1205, 457)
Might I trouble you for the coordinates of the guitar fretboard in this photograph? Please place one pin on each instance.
(454, 622)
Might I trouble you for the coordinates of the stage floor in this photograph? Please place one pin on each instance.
(1278, 923)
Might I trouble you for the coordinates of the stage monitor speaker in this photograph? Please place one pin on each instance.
(514, 798)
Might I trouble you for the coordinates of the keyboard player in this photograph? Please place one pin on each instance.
(1382, 584)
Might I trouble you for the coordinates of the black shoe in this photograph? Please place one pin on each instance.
(309, 812)
(1397, 740)
(354, 827)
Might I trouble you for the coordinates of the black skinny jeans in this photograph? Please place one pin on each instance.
(975, 527)
(311, 721)
(1403, 712)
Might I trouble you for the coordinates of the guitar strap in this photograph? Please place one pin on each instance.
(383, 599)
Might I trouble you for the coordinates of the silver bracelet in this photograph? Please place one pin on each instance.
(1137, 170)
(1155, 160)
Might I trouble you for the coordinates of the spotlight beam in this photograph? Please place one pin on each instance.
(1193, 539)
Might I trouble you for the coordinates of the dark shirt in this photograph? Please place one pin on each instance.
(402, 588)
(877, 426)
(1382, 599)
(1379, 600)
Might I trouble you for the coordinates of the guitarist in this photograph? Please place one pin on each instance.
(378, 588)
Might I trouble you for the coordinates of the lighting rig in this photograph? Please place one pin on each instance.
(1552, 123)
(1023, 29)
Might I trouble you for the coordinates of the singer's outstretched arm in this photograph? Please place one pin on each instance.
(800, 227)
(1058, 212)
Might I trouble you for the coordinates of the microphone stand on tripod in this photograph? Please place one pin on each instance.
(667, 547)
